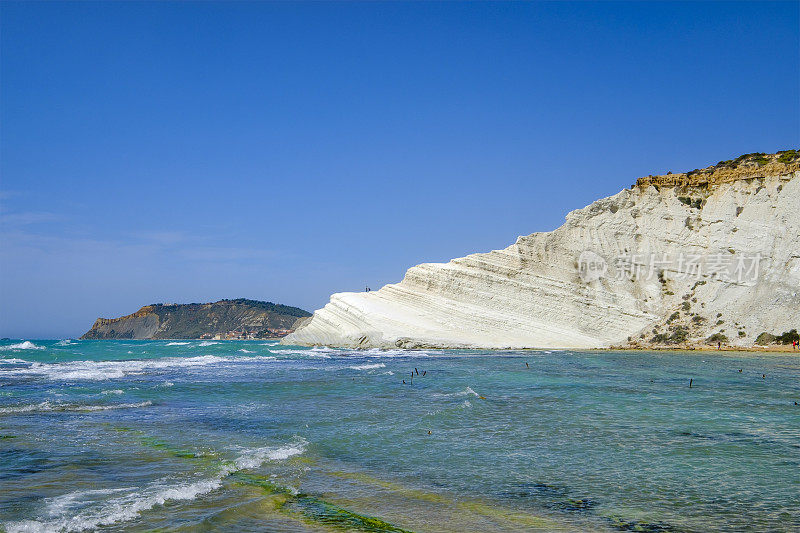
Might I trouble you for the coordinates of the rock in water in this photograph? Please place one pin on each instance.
(675, 260)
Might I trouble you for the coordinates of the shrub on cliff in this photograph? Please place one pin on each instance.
(787, 156)
(788, 337)
(717, 337)
(765, 339)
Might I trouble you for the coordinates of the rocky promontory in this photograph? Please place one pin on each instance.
(239, 318)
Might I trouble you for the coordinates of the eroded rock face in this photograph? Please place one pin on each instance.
(544, 291)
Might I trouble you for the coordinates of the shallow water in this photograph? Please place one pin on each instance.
(253, 436)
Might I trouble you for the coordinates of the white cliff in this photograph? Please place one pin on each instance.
(686, 256)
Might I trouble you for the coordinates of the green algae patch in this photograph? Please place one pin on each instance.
(388, 485)
(3, 437)
(618, 522)
(316, 509)
(182, 453)
(492, 512)
(261, 482)
(496, 513)
(123, 429)
(330, 514)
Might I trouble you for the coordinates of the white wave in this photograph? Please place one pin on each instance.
(177, 343)
(114, 391)
(253, 458)
(24, 345)
(322, 353)
(64, 342)
(167, 384)
(304, 353)
(103, 370)
(64, 517)
(47, 406)
(14, 361)
(466, 392)
(368, 367)
(118, 509)
(58, 505)
(246, 351)
(322, 349)
(208, 343)
(375, 352)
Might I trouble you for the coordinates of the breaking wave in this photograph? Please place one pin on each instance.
(368, 367)
(103, 370)
(24, 345)
(253, 458)
(13, 361)
(177, 343)
(71, 512)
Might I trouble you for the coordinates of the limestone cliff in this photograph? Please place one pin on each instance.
(675, 260)
(190, 321)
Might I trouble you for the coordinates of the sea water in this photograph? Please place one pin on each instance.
(255, 436)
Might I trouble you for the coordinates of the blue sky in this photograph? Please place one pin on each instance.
(284, 151)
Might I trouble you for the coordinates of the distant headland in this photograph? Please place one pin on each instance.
(225, 319)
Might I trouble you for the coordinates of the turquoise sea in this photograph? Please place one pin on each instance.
(254, 436)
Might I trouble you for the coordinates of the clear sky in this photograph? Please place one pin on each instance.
(187, 152)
